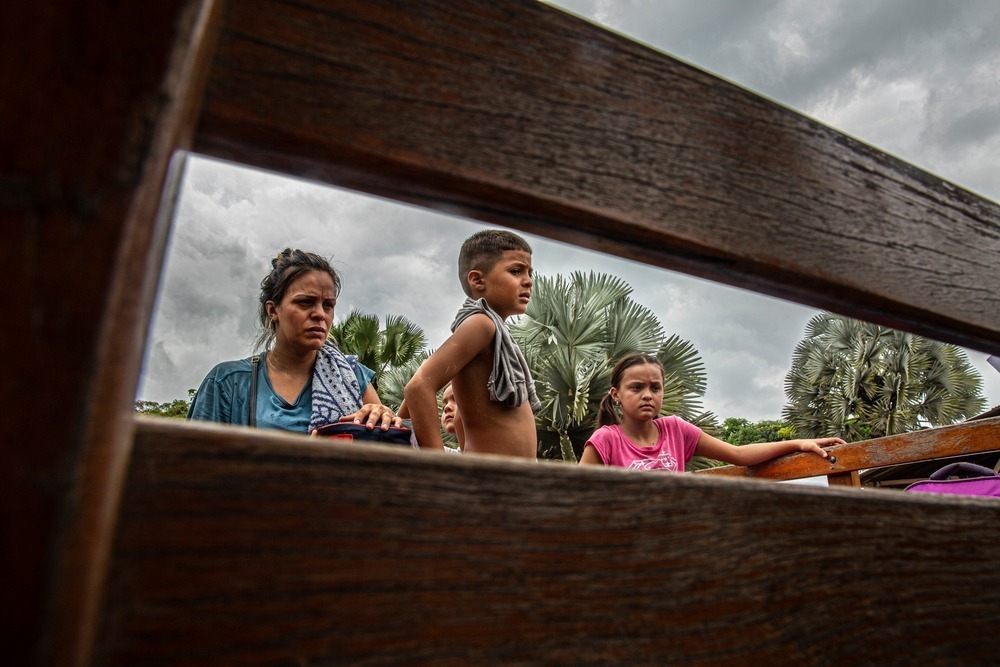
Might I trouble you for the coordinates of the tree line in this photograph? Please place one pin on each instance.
(848, 378)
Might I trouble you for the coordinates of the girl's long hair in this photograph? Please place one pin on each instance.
(606, 413)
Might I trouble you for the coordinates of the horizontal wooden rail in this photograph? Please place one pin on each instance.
(517, 113)
(239, 547)
(965, 438)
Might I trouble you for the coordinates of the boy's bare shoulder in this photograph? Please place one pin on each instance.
(477, 327)
(470, 340)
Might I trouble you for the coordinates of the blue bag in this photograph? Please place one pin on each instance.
(350, 432)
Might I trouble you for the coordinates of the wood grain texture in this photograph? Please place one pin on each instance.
(97, 96)
(515, 113)
(241, 547)
(968, 438)
(248, 547)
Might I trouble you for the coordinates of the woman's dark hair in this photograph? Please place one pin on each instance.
(285, 269)
(606, 414)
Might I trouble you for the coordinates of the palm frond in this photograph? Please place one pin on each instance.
(861, 380)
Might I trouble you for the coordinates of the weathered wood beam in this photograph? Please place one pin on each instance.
(516, 113)
(955, 440)
(97, 96)
(239, 547)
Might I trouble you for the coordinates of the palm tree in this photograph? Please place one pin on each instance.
(394, 380)
(379, 349)
(573, 332)
(859, 380)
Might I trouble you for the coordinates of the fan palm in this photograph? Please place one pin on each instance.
(394, 380)
(379, 349)
(574, 330)
(858, 380)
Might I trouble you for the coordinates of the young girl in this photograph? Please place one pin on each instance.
(642, 440)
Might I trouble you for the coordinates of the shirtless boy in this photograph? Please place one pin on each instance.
(496, 399)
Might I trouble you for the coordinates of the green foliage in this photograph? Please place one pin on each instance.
(786, 433)
(394, 380)
(395, 346)
(738, 431)
(573, 332)
(176, 409)
(858, 380)
(699, 462)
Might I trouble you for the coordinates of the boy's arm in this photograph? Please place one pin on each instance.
(420, 394)
(758, 452)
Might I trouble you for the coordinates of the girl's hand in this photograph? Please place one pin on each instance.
(374, 414)
(816, 446)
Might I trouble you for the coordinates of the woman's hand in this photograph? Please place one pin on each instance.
(374, 414)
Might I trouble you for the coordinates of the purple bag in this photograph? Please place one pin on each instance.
(970, 480)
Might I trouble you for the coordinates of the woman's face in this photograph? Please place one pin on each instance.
(303, 319)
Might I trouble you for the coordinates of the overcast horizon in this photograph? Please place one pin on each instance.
(914, 79)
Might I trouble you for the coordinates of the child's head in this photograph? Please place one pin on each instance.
(449, 409)
(484, 249)
(451, 420)
(637, 385)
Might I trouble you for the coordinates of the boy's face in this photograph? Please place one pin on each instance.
(507, 286)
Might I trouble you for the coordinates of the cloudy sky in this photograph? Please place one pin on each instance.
(917, 78)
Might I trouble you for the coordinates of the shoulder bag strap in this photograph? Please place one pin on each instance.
(255, 366)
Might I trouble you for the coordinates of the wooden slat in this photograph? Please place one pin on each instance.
(237, 546)
(97, 96)
(851, 479)
(241, 547)
(967, 438)
(515, 113)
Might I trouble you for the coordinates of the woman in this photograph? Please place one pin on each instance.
(301, 381)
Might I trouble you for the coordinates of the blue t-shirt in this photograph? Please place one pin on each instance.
(224, 397)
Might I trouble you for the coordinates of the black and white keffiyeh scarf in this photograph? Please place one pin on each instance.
(335, 388)
(510, 380)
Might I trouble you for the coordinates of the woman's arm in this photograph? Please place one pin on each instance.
(748, 455)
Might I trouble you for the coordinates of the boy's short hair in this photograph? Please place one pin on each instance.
(483, 250)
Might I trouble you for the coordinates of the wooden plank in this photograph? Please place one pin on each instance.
(852, 479)
(513, 112)
(242, 547)
(966, 438)
(96, 97)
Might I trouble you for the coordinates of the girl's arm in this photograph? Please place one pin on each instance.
(748, 455)
(590, 456)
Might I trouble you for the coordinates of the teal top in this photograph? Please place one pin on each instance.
(224, 397)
